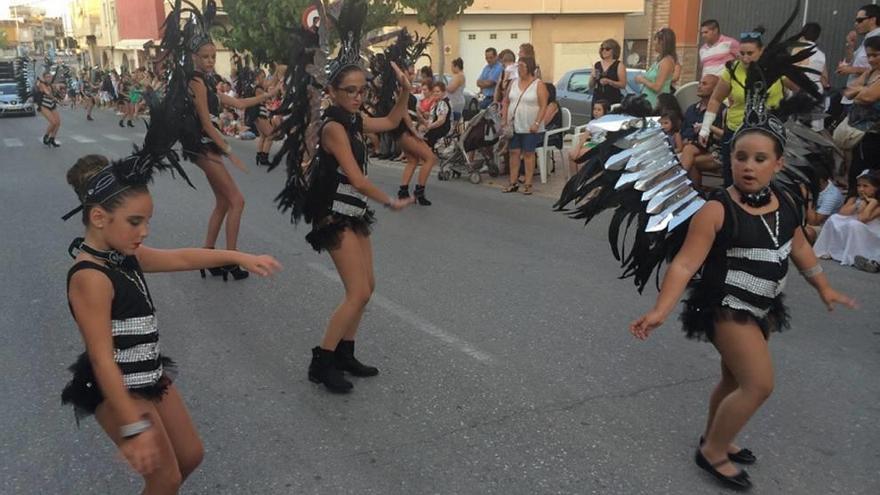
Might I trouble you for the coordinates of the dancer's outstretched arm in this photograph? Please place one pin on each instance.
(392, 120)
(335, 141)
(700, 237)
(175, 260)
(805, 260)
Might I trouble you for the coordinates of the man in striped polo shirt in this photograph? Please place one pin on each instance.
(717, 48)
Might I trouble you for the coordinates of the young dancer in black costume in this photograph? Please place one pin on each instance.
(44, 99)
(332, 193)
(123, 378)
(740, 241)
(202, 140)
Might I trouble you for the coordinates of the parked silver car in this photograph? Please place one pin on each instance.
(11, 104)
(573, 92)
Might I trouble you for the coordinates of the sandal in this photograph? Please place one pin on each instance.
(511, 188)
(527, 189)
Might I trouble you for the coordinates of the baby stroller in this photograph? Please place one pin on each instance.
(480, 135)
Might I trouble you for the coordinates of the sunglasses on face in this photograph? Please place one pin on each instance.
(605, 48)
(353, 91)
(860, 20)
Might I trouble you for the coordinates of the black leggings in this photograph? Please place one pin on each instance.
(866, 156)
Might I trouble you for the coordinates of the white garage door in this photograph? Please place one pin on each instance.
(473, 45)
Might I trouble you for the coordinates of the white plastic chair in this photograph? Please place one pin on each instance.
(544, 150)
(687, 95)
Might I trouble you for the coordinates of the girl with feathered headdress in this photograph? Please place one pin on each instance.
(331, 194)
(740, 240)
(123, 378)
(191, 51)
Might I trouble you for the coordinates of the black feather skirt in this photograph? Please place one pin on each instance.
(703, 310)
(326, 234)
(83, 393)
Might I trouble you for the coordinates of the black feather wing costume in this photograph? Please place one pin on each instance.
(635, 173)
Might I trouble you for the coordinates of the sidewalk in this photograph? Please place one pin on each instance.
(552, 189)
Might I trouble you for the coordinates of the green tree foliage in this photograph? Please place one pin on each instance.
(259, 26)
(436, 13)
(3, 43)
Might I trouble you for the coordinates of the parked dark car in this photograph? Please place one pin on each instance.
(11, 104)
(574, 93)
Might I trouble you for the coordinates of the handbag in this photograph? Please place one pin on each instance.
(847, 137)
(511, 117)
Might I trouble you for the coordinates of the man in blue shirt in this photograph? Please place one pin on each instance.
(489, 77)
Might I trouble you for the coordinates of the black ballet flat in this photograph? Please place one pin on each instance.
(237, 272)
(740, 481)
(215, 272)
(744, 456)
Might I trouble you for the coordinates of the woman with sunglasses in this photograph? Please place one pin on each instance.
(731, 86)
(609, 74)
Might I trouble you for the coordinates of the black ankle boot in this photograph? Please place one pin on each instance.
(53, 143)
(403, 192)
(121, 122)
(259, 159)
(419, 193)
(323, 370)
(130, 124)
(46, 139)
(345, 360)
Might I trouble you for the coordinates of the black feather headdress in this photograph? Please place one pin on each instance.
(349, 25)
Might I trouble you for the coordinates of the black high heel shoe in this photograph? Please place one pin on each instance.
(739, 481)
(237, 272)
(52, 142)
(744, 456)
(215, 272)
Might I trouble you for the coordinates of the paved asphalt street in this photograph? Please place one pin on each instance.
(499, 327)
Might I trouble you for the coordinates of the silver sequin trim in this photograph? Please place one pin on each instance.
(345, 208)
(142, 352)
(759, 254)
(143, 379)
(142, 325)
(756, 285)
(734, 302)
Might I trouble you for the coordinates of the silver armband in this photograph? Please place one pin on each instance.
(812, 272)
(135, 429)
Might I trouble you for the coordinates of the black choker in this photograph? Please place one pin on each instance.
(758, 199)
(112, 256)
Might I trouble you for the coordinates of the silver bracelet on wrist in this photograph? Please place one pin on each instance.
(812, 272)
(134, 429)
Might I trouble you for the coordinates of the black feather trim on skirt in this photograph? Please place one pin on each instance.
(326, 234)
(195, 152)
(702, 311)
(83, 393)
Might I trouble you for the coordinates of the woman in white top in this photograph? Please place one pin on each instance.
(455, 89)
(527, 105)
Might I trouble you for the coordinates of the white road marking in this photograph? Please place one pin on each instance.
(413, 319)
(13, 143)
(81, 139)
(116, 137)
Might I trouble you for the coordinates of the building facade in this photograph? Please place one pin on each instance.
(566, 33)
(30, 32)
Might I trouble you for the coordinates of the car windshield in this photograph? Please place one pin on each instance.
(7, 89)
(579, 82)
